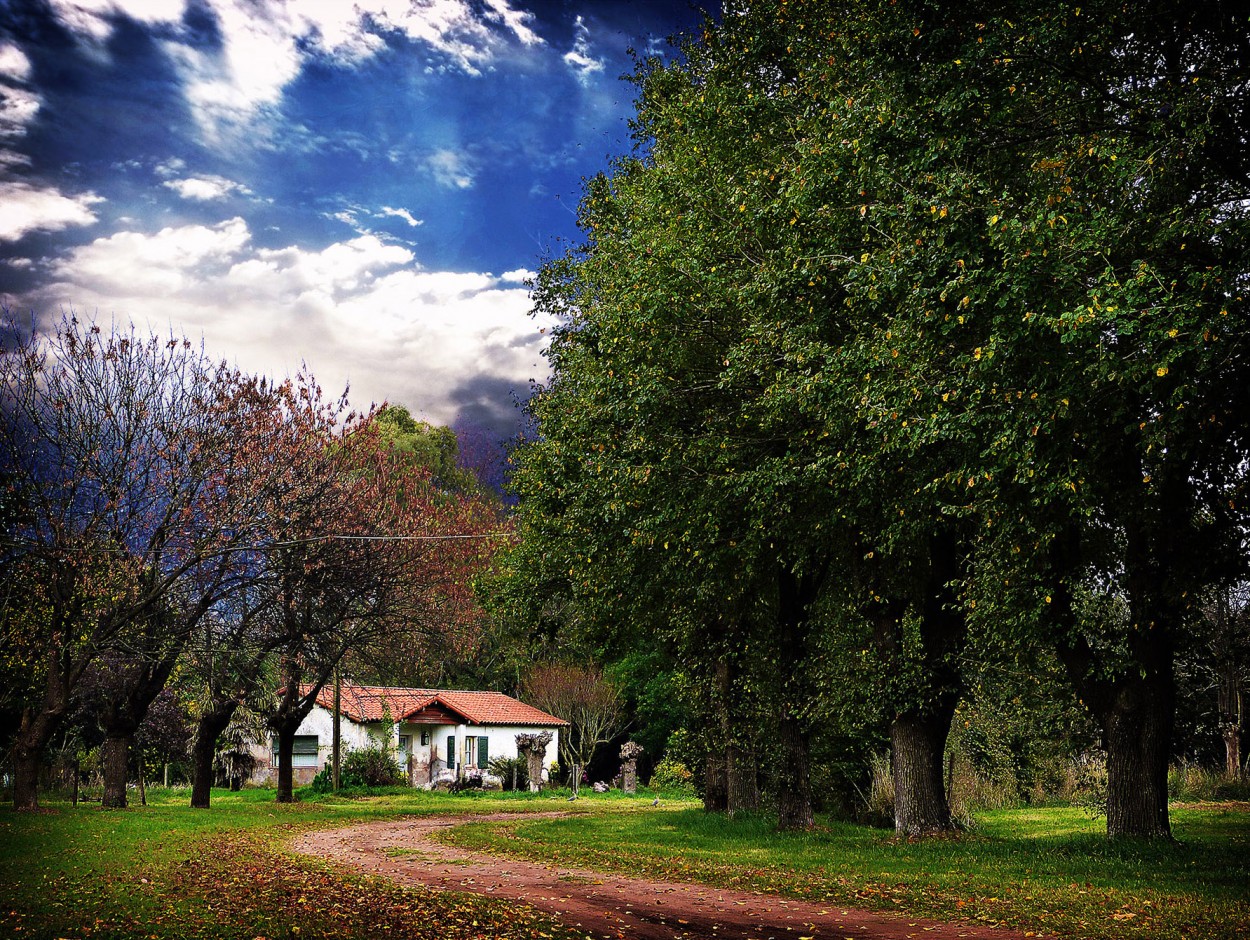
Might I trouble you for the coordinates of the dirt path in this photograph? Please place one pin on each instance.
(609, 905)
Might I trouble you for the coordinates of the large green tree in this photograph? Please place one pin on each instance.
(945, 301)
(1054, 245)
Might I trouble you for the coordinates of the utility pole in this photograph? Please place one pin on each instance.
(334, 738)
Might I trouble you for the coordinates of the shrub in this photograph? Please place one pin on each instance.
(324, 781)
(1190, 783)
(672, 776)
(370, 767)
(513, 771)
(877, 805)
(1090, 787)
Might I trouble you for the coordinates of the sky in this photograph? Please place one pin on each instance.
(363, 186)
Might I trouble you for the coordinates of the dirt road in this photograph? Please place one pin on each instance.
(605, 904)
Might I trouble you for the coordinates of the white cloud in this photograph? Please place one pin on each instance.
(28, 209)
(519, 276)
(341, 269)
(579, 58)
(402, 214)
(204, 188)
(18, 104)
(94, 18)
(516, 20)
(171, 167)
(265, 43)
(450, 169)
(358, 311)
(14, 66)
(135, 265)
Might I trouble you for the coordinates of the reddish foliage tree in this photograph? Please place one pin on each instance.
(366, 544)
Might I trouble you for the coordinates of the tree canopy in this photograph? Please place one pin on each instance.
(910, 323)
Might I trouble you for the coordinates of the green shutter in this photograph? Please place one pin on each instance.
(451, 751)
(483, 754)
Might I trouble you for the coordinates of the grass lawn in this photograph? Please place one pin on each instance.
(168, 871)
(1050, 870)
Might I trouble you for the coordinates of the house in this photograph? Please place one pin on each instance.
(430, 730)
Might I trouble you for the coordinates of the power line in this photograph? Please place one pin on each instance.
(331, 537)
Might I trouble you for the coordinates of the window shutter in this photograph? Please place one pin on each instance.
(483, 753)
(451, 752)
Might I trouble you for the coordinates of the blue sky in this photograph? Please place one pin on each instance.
(363, 186)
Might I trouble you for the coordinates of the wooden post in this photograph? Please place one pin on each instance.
(335, 741)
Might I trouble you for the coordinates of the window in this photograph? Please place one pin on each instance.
(303, 752)
(405, 742)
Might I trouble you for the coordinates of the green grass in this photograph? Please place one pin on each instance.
(166, 871)
(1048, 870)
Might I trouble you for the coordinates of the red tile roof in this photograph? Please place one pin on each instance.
(363, 703)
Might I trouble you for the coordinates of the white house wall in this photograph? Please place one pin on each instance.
(353, 736)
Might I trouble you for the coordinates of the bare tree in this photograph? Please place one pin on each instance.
(1222, 665)
(585, 699)
(110, 443)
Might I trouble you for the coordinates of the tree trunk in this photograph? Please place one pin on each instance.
(114, 765)
(35, 730)
(741, 780)
(795, 596)
(286, 772)
(738, 768)
(1138, 730)
(716, 767)
(212, 723)
(629, 776)
(716, 783)
(25, 776)
(918, 742)
(794, 805)
(1136, 704)
(1232, 752)
(1230, 703)
(137, 683)
(922, 719)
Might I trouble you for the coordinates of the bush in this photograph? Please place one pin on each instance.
(513, 771)
(324, 781)
(877, 805)
(1190, 783)
(672, 776)
(370, 767)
